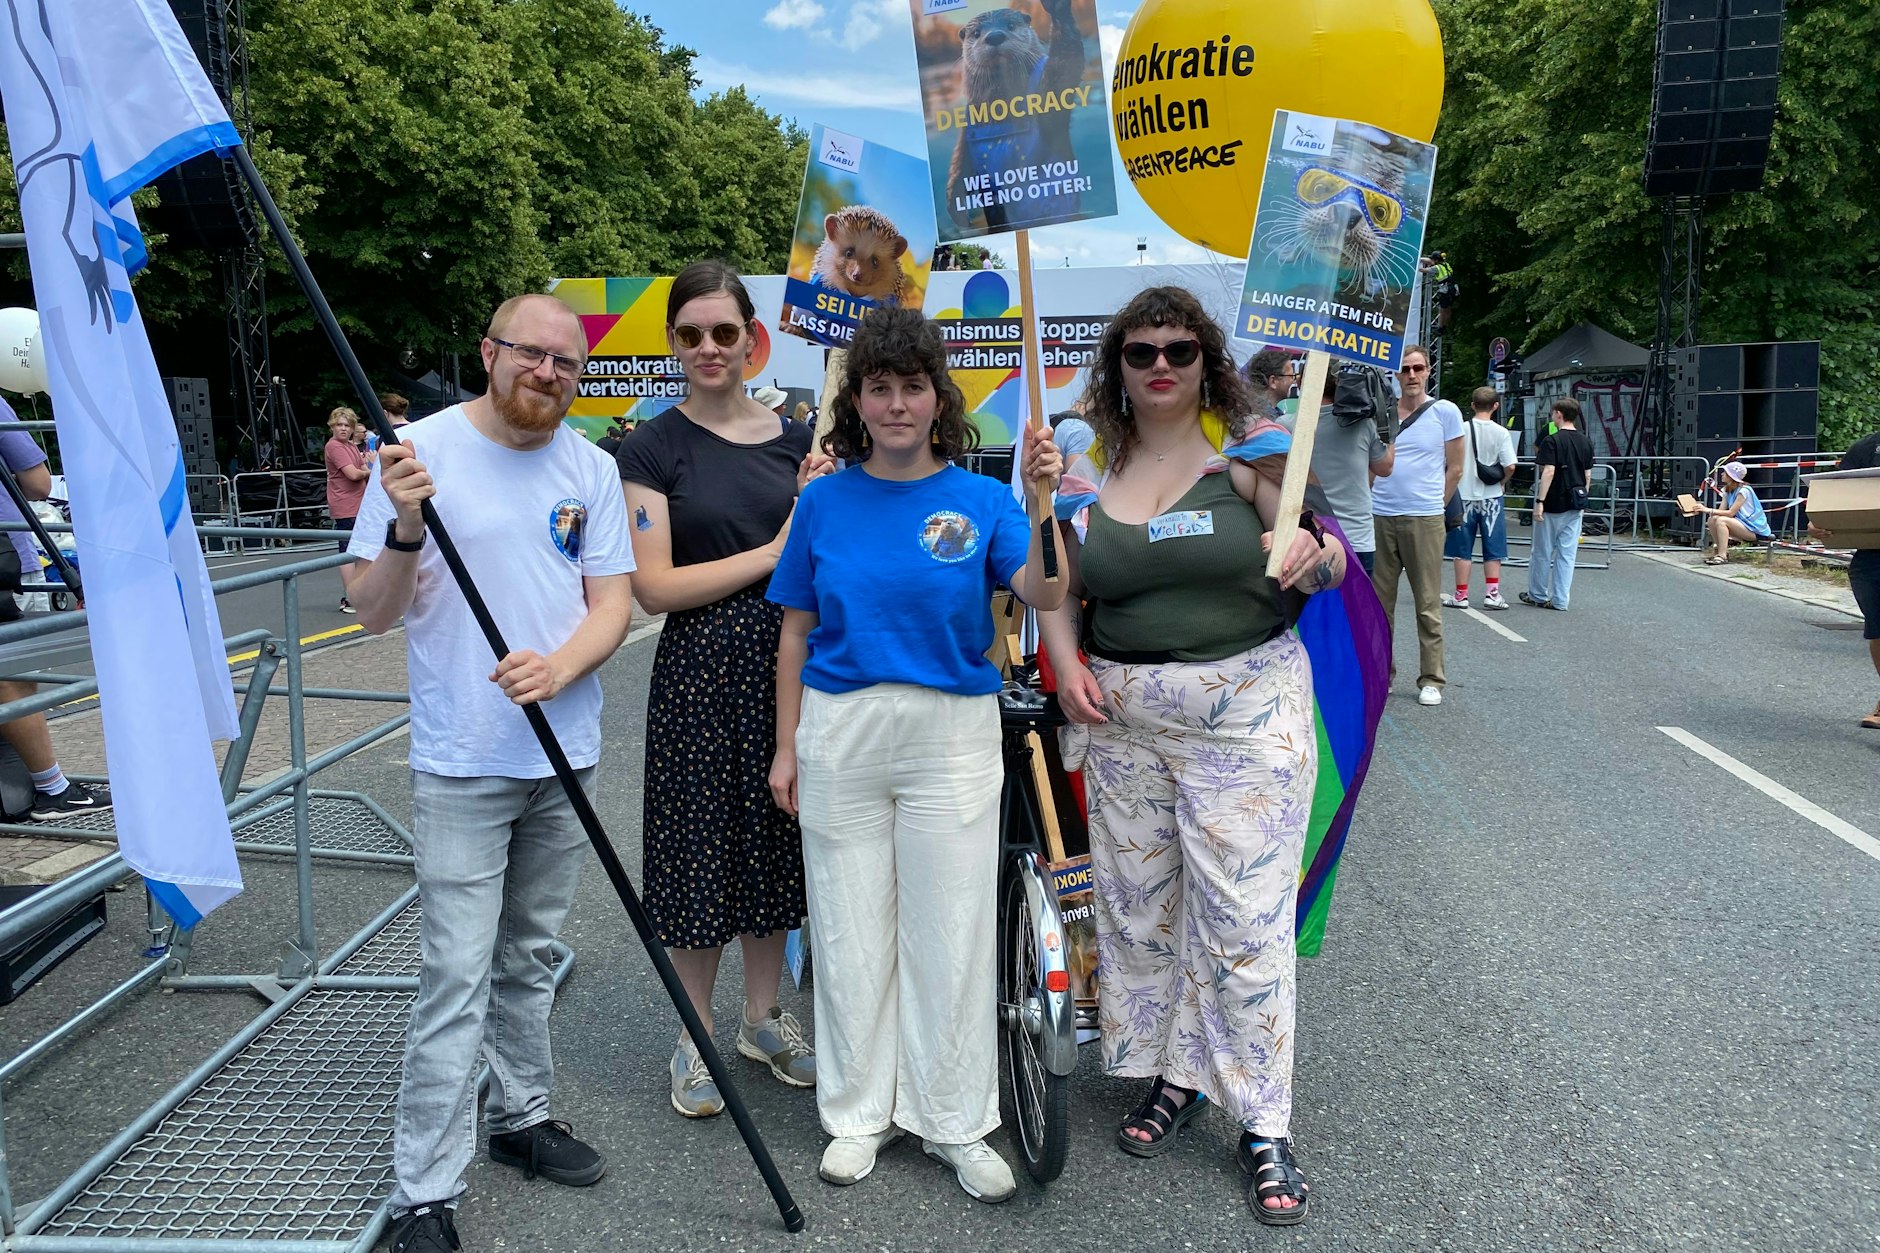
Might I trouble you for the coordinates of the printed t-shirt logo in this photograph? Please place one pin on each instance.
(949, 536)
(566, 521)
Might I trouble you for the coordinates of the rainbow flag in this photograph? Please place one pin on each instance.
(1348, 641)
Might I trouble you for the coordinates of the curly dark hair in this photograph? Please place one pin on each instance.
(899, 341)
(1223, 386)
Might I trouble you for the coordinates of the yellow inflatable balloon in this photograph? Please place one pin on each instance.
(1197, 81)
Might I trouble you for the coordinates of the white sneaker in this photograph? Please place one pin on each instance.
(848, 1159)
(982, 1172)
(1430, 695)
(1455, 602)
(1494, 601)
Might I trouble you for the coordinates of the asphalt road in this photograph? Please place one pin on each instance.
(1582, 988)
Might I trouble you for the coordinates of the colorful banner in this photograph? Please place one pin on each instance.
(1017, 124)
(1336, 239)
(864, 237)
(631, 374)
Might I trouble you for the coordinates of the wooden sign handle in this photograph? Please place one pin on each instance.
(1039, 502)
(1292, 488)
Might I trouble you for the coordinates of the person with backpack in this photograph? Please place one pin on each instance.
(1350, 452)
(1484, 477)
(1565, 463)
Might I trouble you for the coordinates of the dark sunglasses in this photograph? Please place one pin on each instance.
(725, 334)
(1180, 353)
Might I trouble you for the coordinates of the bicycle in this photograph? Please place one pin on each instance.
(1037, 1010)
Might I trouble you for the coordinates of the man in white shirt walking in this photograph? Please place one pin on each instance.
(537, 513)
(1408, 511)
(1488, 456)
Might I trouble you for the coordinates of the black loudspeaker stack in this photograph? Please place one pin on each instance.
(1713, 96)
(1755, 400)
(203, 203)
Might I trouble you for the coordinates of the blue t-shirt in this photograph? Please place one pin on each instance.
(900, 576)
(1751, 514)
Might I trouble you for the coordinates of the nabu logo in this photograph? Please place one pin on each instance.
(930, 7)
(1308, 134)
(844, 152)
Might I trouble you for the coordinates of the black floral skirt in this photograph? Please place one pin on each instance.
(721, 859)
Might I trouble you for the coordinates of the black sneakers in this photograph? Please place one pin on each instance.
(426, 1228)
(75, 799)
(550, 1150)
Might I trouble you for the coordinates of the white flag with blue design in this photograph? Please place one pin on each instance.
(101, 97)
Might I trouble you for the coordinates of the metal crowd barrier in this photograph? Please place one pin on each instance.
(1601, 505)
(266, 498)
(136, 1184)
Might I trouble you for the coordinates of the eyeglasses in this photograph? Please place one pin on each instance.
(725, 334)
(1180, 353)
(529, 357)
(1414, 369)
(1317, 186)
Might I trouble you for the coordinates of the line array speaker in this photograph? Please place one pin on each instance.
(1713, 96)
(204, 205)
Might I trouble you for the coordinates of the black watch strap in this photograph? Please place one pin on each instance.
(397, 545)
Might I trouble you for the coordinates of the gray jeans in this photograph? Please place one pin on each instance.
(498, 860)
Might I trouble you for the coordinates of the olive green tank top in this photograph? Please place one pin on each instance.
(1197, 592)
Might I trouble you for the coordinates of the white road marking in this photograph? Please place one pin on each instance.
(640, 633)
(1494, 626)
(1775, 791)
(230, 565)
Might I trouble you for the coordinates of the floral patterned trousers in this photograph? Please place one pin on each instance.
(1200, 787)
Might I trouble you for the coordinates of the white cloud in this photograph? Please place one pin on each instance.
(869, 19)
(1109, 38)
(794, 14)
(843, 91)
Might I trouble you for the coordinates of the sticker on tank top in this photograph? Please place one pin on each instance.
(1181, 523)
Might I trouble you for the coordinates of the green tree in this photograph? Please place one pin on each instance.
(1540, 203)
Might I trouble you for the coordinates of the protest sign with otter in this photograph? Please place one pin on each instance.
(1017, 126)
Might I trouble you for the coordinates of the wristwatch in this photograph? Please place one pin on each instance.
(397, 545)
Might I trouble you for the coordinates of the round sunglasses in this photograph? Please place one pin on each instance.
(1180, 352)
(724, 334)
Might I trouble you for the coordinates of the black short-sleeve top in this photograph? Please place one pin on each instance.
(722, 498)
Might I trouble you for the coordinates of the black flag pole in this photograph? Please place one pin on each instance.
(538, 721)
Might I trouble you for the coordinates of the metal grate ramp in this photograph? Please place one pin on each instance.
(291, 1140)
(339, 825)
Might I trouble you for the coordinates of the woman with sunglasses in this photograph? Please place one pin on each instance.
(888, 743)
(711, 486)
(1201, 751)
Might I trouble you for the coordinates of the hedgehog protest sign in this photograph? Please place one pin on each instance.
(1017, 126)
(864, 237)
(1336, 239)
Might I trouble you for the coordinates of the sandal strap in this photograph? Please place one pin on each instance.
(1275, 1172)
(1158, 1112)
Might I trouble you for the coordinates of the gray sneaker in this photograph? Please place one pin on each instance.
(778, 1041)
(693, 1092)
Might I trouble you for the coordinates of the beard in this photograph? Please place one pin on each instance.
(526, 407)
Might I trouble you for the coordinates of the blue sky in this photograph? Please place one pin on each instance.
(850, 64)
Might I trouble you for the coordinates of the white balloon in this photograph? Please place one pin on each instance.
(22, 364)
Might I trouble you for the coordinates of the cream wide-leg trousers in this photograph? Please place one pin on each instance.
(898, 788)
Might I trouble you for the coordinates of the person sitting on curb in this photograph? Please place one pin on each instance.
(1741, 517)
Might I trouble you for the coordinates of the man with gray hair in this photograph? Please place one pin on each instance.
(536, 510)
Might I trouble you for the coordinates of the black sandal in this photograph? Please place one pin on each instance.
(1275, 1174)
(1160, 1117)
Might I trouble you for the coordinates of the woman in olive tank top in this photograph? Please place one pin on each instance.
(1197, 701)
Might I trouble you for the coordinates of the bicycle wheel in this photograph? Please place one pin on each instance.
(1040, 1123)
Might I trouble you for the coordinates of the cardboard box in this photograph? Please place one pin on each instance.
(1846, 502)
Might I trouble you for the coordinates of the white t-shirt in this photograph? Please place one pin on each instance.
(530, 526)
(1487, 441)
(1415, 486)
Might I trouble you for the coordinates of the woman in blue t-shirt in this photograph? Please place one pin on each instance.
(1741, 516)
(888, 752)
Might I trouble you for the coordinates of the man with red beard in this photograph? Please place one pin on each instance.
(539, 517)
